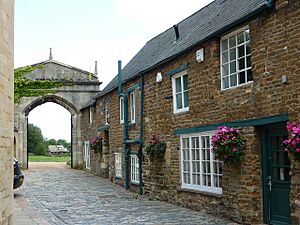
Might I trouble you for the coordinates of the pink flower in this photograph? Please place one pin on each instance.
(289, 125)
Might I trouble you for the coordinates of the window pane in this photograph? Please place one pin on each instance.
(233, 80)
(179, 101)
(226, 82)
(242, 78)
(248, 61)
(233, 67)
(186, 99)
(232, 42)
(178, 84)
(232, 54)
(225, 70)
(241, 63)
(185, 142)
(248, 48)
(195, 142)
(224, 44)
(240, 38)
(224, 57)
(247, 34)
(249, 75)
(241, 51)
(185, 82)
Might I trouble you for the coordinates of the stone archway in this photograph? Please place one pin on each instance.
(81, 86)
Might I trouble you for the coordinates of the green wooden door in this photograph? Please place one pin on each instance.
(276, 177)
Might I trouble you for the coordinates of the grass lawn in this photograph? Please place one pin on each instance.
(46, 158)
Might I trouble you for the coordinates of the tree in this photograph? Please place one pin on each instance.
(62, 142)
(51, 142)
(36, 142)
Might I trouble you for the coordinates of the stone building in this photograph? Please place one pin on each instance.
(6, 110)
(233, 63)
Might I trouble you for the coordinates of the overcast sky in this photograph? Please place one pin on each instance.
(81, 32)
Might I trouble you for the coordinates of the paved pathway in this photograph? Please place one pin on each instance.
(59, 196)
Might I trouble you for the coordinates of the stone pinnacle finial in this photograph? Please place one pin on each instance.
(50, 54)
(96, 69)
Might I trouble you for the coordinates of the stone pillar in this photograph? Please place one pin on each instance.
(77, 144)
(6, 111)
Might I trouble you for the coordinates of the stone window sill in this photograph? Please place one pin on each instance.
(135, 183)
(199, 192)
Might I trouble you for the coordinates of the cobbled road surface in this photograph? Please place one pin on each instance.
(65, 196)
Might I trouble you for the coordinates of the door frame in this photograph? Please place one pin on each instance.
(265, 163)
(87, 154)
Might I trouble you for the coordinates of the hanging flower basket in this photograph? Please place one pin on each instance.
(156, 148)
(228, 145)
(96, 143)
(292, 144)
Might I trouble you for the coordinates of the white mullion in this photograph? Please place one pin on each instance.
(190, 160)
(200, 149)
(211, 165)
(182, 159)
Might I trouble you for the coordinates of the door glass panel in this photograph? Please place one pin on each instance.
(280, 160)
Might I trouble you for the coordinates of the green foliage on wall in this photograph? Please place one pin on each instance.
(26, 88)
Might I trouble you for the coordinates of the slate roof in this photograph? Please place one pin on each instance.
(210, 21)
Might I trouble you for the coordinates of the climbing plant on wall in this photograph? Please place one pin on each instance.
(26, 88)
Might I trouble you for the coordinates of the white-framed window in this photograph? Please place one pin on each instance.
(132, 106)
(180, 92)
(106, 114)
(91, 115)
(134, 162)
(236, 59)
(199, 168)
(121, 110)
(118, 164)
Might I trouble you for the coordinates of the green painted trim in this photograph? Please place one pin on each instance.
(132, 88)
(131, 124)
(238, 123)
(177, 70)
(134, 153)
(140, 154)
(105, 127)
(270, 3)
(264, 166)
(133, 141)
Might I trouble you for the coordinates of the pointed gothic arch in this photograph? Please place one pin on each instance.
(78, 88)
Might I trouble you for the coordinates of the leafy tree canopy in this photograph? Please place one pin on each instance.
(36, 142)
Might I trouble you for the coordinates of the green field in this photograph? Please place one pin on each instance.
(45, 158)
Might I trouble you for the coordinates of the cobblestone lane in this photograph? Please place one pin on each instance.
(65, 196)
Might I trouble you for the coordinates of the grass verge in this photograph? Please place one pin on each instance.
(46, 158)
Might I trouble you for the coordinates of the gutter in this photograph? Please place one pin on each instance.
(127, 141)
(125, 134)
(140, 153)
